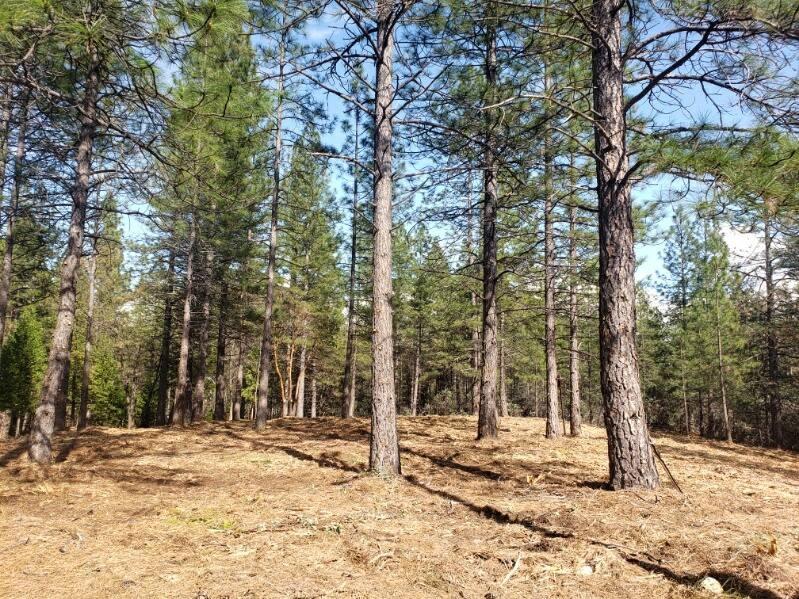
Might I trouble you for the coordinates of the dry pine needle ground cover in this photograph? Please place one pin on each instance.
(218, 510)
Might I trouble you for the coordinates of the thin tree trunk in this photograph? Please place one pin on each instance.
(772, 364)
(575, 416)
(299, 391)
(201, 371)
(236, 401)
(475, 354)
(683, 325)
(83, 416)
(181, 414)
(384, 457)
(130, 401)
(44, 419)
(553, 397)
(11, 216)
(162, 409)
(313, 389)
(288, 396)
(348, 394)
(631, 458)
(219, 391)
(503, 379)
(262, 394)
(487, 418)
(417, 365)
(281, 385)
(722, 385)
(5, 128)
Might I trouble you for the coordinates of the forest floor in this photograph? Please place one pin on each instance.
(218, 510)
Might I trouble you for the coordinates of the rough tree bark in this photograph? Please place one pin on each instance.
(91, 271)
(181, 412)
(384, 457)
(44, 419)
(631, 458)
(487, 417)
(262, 393)
(575, 413)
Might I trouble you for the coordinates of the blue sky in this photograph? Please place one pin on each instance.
(696, 107)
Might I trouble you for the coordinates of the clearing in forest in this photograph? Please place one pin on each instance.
(218, 510)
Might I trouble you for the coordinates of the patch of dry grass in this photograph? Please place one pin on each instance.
(222, 511)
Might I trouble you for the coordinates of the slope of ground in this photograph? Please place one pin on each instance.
(218, 510)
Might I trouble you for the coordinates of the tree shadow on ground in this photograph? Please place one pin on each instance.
(13, 453)
(732, 457)
(66, 449)
(643, 560)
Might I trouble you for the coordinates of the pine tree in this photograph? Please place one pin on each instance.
(22, 368)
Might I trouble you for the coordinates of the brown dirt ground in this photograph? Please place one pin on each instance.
(218, 510)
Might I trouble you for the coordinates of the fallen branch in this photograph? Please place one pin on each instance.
(671, 476)
(516, 565)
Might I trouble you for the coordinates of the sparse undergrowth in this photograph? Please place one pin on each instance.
(223, 511)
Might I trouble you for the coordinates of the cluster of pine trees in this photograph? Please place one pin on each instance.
(240, 209)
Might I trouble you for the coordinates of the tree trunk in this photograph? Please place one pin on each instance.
(313, 389)
(219, 391)
(262, 393)
(299, 392)
(384, 457)
(503, 379)
(684, 326)
(5, 128)
(11, 216)
(83, 416)
(201, 371)
(773, 402)
(161, 416)
(722, 385)
(348, 392)
(236, 401)
(130, 402)
(5, 121)
(476, 377)
(575, 415)
(630, 453)
(181, 414)
(550, 347)
(417, 365)
(487, 418)
(44, 419)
